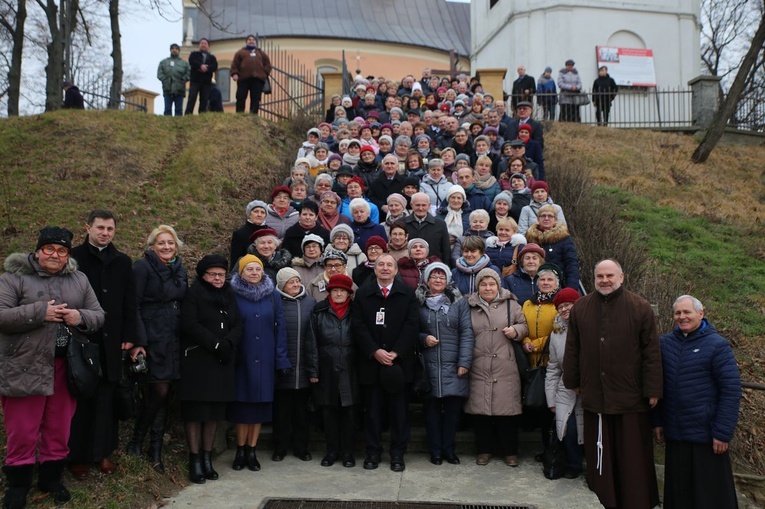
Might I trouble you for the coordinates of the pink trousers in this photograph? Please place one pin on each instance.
(43, 422)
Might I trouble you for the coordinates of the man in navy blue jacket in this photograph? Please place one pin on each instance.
(698, 414)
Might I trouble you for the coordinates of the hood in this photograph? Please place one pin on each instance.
(26, 265)
(547, 237)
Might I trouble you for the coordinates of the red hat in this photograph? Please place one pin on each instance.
(340, 281)
(445, 108)
(262, 233)
(531, 248)
(373, 114)
(566, 295)
(367, 148)
(376, 240)
(359, 181)
(280, 189)
(525, 127)
(540, 184)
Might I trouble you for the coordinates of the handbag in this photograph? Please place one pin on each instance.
(554, 457)
(581, 99)
(83, 365)
(126, 399)
(534, 392)
(267, 86)
(422, 386)
(520, 356)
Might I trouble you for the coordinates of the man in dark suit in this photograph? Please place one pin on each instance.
(524, 88)
(94, 428)
(385, 327)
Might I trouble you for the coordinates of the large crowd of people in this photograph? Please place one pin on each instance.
(414, 243)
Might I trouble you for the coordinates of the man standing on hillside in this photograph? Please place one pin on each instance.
(203, 66)
(174, 72)
(93, 436)
(613, 359)
(250, 68)
(524, 88)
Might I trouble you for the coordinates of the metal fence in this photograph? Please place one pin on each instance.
(649, 107)
(95, 90)
(750, 114)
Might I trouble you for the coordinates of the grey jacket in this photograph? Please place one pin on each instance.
(27, 341)
(564, 400)
(297, 314)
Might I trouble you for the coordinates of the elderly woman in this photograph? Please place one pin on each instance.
(436, 185)
(521, 194)
(398, 244)
(334, 262)
(447, 335)
(553, 237)
(449, 158)
(363, 227)
(500, 209)
(290, 424)
(522, 282)
(280, 213)
(332, 369)
(504, 248)
(42, 297)
(472, 261)
(160, 286)
(323, 184)
(309, 266)
(564, 403)
(306, 225)
(495, 384)
(355, 189)
(334, 104)
(456, 212)
(540, 196)
(267, 246)
(329, 211)
(262, 351)
(484, 178)
(570, 85)
(374, 247)
(479, 224)
(401, 146)
(211, 329)
(342, 239)
(255, 212)
(411, 268)
(396, 211)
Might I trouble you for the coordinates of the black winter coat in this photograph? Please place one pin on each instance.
(211, 330)
(159, 290)
(398, 334)
(240, 241)
(111, 277)
(280, 259)
(293, 238)
(332, 357)
(380, 188)
(297, 315)
(433, 231)
(196, 59)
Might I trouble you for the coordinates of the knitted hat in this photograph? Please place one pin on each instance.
(285, 275)
(312, 237)
(359, 181)
(518, 176)
(388, 125)
(262, 233)
(340, 281)
(416, 86)
(397, 198)
(440, 266)
(548, 69)
(373, 114)
(412, 181)
(209, 261)
(525, 127)
(397, 109)
(302, 160)
(463, 157)
(55, 235)
(376, 240)
(421, 137)
(354, 142)
(255, 204)
(332, 194)
(502, 196)
(385, 137)
(566, 295)
(313, 131)
(490, 129)
(335, 157)
(540, 184)
(417, 241)
(333, 254)
(487, 272)
(280, 189)
(246, 260)
(456, 189)
(344, 228)
(367, 148)
(531, 248)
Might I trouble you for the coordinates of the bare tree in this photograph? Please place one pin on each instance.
(115, 92)
(12, 20)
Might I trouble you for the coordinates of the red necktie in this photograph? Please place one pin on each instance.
(385, 292)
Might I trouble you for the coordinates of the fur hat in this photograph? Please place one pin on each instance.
(55, 235)
(285, 275)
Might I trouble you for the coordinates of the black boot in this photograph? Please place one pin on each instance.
(49, 481)
(135, 445)
(207, 467)
(252, 460)
(195, 469)
(156, 440)
(18, 481)
(240, 459)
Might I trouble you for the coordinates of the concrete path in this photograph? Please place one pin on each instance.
(421, 482)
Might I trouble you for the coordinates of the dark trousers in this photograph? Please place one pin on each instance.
(291, 420)
(377, 401)
(548, 112)
(339, 428)
(442, 416)
(542, 418)
(252, 87)
(574, 451)
(602, 111)
(496, 433)
(203, 91)
(174, 101)
(570, 113)
(93, 436)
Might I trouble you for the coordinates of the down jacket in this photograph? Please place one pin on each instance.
(702, 386)
(455, 343)
(297, 313)
(559, 249)
(27, 341)
(564, 400)
(495, 384)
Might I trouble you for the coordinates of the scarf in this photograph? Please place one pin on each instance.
(485, 181)
(544, 297)
(250, 291)
(340, 309)
(327, 221)
(453, 222)
(481, 264)
(438, 302)
(351, 160)
(390, 219)
(423, 151)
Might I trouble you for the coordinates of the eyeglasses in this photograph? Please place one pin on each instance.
(565, 306)
(49, 250)
(437, 278)
(216, 275)
(334, 267)
(374, 248)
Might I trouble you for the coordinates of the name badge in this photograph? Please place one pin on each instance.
(322, 286)
(380, 317)
(172, 64)
(252, 54)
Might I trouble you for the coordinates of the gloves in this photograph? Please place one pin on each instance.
(286, 372)
(224, 351)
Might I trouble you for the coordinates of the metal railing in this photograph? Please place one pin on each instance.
(95, 90)
(750, 114)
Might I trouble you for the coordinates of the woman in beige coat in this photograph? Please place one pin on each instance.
(495, 385)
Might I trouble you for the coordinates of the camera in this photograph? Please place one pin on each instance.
(139, 366)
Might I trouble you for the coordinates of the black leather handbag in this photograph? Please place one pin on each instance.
(422, 386)
(534, 392)
(83, 363)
